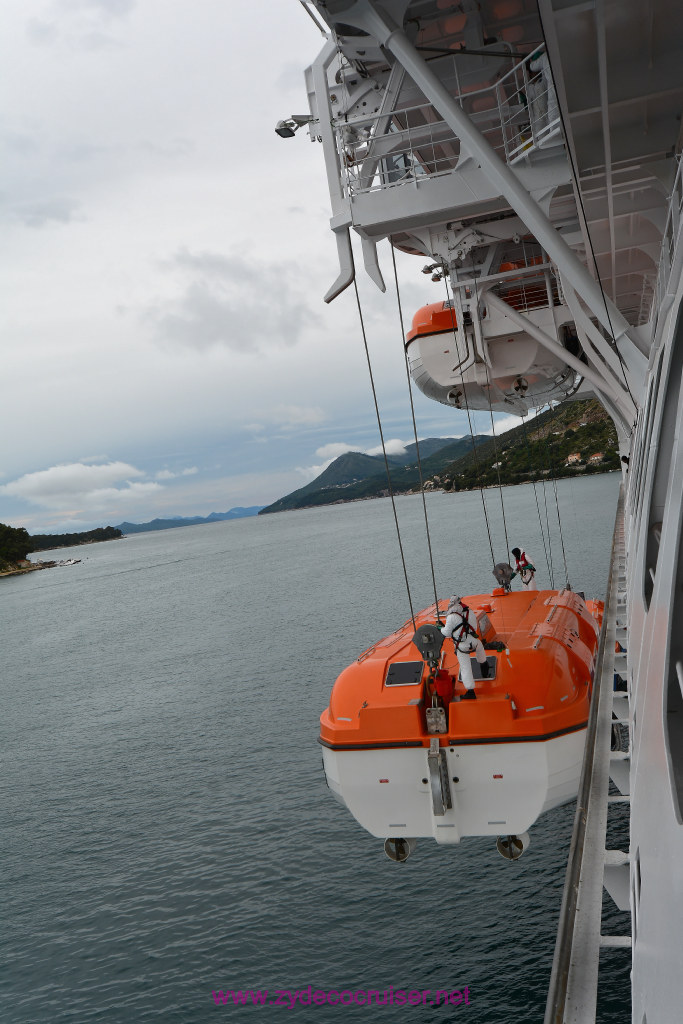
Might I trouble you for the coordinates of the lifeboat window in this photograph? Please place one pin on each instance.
(404, 673)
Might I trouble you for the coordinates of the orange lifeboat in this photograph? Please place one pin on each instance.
(436, 318)
(493, 764)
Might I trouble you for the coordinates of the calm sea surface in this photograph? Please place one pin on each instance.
(166, 828)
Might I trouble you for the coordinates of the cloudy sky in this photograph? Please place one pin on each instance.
(165, 347)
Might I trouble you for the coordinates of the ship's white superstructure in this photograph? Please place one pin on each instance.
(530, 153)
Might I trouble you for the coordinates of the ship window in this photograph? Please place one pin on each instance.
(666, 435)
(635, 900)
(673, 668)
(673, 718)
(640, 461)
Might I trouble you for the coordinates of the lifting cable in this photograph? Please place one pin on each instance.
(538, 509)
(548, 469)
(417, 444)
(493, 428)
(469, 420)
(384, 450)
(559, 519)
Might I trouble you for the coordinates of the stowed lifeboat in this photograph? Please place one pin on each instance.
(500, 364)
(411, 759)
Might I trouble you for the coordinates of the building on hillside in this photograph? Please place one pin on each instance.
(573, 459)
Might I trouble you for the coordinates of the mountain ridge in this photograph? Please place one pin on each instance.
(173, 522)
(355, 475)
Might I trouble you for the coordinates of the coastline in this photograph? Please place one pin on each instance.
(19, 569)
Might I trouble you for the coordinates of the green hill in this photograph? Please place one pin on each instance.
(542, 447)
(537, 448)
(355, 475)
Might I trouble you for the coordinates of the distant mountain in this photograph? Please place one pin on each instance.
(355, 475)
(175, 521)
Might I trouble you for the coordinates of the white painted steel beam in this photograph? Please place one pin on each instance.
(617, 400)
(377, 23)
(318, 74)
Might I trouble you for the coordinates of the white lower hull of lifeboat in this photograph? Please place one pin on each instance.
(502, 788)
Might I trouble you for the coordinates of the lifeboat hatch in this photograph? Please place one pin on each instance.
(492, 663)
(404, 673)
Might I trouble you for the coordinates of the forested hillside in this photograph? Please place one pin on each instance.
(572, 439)
(15, 544)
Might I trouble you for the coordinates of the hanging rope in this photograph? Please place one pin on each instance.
(384, 450)
(417, 444)
(469, 420)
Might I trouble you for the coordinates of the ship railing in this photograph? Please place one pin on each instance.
(517, 114)
(672, 250)
(524, 278)
(572, 993)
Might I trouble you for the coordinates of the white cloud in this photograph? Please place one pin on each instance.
(393, 447)
(508, 422)
(39, 212)
(167, 474)
(311, 472)
(297, 415)
(81, 486)
(229, 300)
(334, 450)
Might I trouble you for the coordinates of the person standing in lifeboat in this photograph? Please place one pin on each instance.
(461, 626)
(524, 569)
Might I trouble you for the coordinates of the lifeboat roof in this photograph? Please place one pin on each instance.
(436, 318)
(539, 686)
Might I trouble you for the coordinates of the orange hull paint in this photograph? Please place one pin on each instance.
(541, 687)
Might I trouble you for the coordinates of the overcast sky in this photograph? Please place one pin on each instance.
(165, 347)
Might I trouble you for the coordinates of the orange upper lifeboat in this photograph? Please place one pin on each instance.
(436, 318)
(499, 366)
(494, 764)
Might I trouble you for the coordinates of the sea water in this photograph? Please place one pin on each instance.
(167, 832)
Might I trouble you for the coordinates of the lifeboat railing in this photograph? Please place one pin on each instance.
(517, 114)
(572, 995)
(531, 284)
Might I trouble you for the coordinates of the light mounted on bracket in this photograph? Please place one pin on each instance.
(437, 270)
(287, 128)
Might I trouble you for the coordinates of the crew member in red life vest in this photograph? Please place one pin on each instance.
(461, 626)
(525, 570)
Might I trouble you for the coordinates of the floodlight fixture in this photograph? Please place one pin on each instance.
(287, 128)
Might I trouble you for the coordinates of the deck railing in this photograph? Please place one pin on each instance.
(672, 249)
(517, 114)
